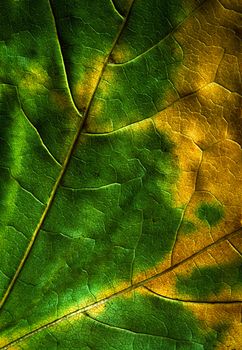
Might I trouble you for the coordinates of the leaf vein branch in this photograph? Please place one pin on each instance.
(62, 60)
(210, 302)
(135, 332)
(161, 40)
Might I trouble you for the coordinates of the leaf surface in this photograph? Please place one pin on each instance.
(120, 175)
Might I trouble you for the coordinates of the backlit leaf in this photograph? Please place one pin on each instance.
(120, 174)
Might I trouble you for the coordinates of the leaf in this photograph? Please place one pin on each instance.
(120, 175)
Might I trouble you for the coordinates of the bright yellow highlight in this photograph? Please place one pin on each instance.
(85, 87)
(35, 79)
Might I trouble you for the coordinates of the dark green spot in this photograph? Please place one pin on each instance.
(211, 213)
(218, 335)
(210, 281)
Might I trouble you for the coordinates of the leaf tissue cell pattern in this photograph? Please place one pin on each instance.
(120, 175)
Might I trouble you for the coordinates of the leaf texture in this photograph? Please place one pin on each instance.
(120, 175)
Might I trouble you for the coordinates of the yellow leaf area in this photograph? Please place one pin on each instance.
(205, 126)
(83, 89)
(35, 80)
(210, 162)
